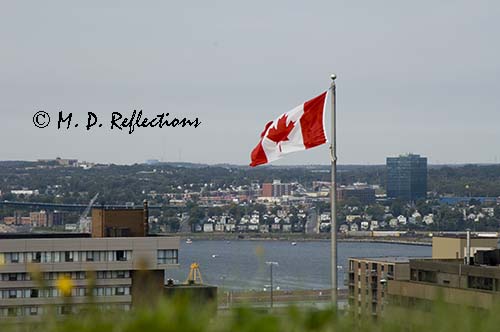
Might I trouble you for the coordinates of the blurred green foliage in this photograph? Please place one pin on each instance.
(181, 315)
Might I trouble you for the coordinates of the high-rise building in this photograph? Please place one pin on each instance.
(407, 177)
(276, 189)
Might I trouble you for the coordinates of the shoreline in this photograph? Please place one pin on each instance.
(297, 237)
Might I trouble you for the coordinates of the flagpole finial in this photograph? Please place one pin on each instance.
(333, 76)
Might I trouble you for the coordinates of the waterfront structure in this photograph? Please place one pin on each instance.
(367, 281)
(361, 191)
(454, 246)
(454, 282)
(407, 177)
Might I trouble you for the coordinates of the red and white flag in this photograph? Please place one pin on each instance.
(299, 129)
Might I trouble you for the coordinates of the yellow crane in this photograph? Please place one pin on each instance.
(194, 276)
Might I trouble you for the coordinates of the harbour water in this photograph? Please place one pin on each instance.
(240, 264)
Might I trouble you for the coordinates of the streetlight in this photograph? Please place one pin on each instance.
(223, 278)
(271, 278)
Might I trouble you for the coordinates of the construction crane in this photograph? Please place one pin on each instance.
(194, 276)
(83, 222)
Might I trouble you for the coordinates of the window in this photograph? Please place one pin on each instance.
(169, 256)
(480, 283)
(65, 310)
(120, 291)
(33, 311)
(11, 312)
(414, 274)
(121, 256)
(427, 276)
(89, 257)
(34, 293)
(14, 257)
(12, 294)
(68, 256)
(37, 257)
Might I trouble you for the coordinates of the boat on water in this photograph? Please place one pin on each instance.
(215, 255)
(189, 241)
(294, 243)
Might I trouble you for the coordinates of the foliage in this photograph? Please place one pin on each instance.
(182, 316)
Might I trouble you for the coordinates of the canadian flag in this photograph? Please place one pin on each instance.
(299, 129)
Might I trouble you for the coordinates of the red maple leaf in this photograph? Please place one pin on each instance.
(279, 133)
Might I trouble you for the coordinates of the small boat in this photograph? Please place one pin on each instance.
(189, 241)
(294, 243)
(214, 255)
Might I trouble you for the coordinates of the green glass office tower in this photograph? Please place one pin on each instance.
(407, 177)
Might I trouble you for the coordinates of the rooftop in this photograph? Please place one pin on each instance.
(43, 235)
(386, 259)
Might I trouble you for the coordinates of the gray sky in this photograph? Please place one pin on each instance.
(414, 76)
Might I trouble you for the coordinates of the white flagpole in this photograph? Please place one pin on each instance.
(333, 193)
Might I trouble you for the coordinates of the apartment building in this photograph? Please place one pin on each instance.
(452, 280)
(368, 278)
(62, 272)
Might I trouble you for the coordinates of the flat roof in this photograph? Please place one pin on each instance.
(43, 235)
(464, 236)
(387, 259)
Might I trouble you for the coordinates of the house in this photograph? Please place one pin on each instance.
(393, 222)
(428, 219)
(219, 227)
(344, 228)
(402, 220)
(286, 228)
(352, 217)
(208, 227)
(229, 228)
(264, 228)
(242, 227)
(253, 227)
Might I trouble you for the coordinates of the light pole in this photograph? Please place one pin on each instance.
(271, 264)
(222, 278)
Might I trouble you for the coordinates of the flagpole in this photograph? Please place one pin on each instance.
(333, 193)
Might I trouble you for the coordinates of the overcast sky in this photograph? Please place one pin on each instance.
(413, 76)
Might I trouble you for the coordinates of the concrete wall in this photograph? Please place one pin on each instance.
(414, 290)
(454, 247)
